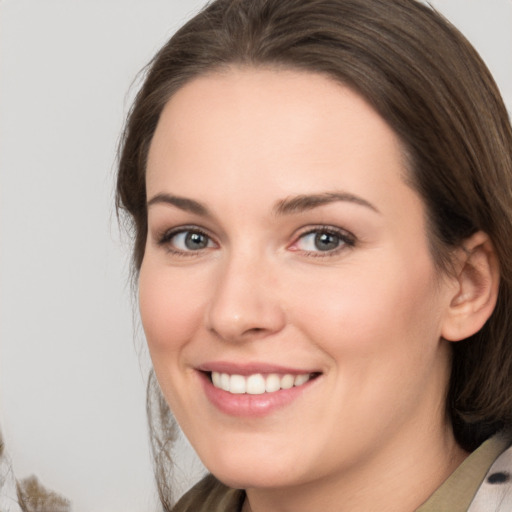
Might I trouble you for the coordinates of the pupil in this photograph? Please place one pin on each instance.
(195, 241)
(326, 241)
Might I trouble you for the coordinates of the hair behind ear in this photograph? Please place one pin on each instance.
(480, 399)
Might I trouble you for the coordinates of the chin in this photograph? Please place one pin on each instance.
(253, 472)
(252, 479)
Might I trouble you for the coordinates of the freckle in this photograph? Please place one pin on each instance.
(498, 478)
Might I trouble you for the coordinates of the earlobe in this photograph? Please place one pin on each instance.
(477, 282)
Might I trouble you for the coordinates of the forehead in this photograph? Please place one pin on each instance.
(295, 131)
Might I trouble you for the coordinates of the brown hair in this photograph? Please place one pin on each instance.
(428, 83)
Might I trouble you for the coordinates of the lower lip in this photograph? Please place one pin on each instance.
(251, 406)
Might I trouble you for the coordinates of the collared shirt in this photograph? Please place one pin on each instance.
(459, 489)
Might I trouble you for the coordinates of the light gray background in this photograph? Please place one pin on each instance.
(72, 366)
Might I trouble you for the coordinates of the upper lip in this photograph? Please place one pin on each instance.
(233, 368)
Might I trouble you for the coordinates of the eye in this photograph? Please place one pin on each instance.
(186, 240)
(324, 239)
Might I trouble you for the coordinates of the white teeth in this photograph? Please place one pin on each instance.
(287, 381)
(272, 383)
(216, 378)
(301, 379)
(224, 380)
(237, 384)
(257, 384)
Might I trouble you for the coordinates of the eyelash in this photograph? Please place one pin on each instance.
(346, 240)
(165, 239)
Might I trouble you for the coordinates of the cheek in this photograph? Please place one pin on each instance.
(169, 308)
(369, 309)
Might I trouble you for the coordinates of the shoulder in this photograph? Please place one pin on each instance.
(495, 493)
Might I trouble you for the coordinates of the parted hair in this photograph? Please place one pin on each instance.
(432, 88)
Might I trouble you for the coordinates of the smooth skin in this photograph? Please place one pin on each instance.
(247, 267)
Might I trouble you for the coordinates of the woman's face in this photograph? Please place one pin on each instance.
(285, 249)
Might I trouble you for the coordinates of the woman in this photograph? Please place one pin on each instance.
(320, 195)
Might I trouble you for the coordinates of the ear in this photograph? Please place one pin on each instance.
(477, 277)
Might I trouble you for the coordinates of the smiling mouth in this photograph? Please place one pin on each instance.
(258, 384)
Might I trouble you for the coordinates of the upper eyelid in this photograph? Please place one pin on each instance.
(160, 224)
(347, 240)
(163, 236)
(328, 228)
(298, 232)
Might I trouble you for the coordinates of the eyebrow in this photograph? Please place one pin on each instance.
(183, 203)
(288, 206)
(305, 202)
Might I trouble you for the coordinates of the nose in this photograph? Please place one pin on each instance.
(244, 304)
